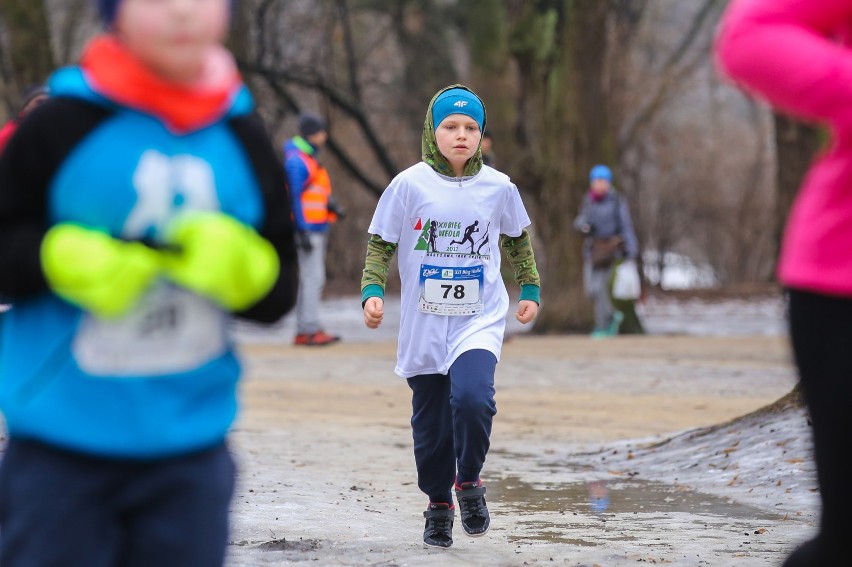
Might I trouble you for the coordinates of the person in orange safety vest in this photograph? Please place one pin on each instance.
(313, 211)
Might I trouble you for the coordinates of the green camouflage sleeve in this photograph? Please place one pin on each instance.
(520, 254)
(376, 265)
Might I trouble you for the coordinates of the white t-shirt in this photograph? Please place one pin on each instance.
(448, 231)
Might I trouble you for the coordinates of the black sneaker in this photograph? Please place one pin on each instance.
(474, 513)
(439, 524)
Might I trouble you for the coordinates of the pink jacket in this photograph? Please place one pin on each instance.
(795, 54)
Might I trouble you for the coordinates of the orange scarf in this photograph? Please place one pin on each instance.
(113, 71)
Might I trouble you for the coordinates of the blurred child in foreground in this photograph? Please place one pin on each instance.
(141, 207)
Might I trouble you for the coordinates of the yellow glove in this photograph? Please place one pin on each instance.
(93, 270)
(221, 259)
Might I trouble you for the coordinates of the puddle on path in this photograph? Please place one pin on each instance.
(605, 498)
(284, 545)
(588, 506)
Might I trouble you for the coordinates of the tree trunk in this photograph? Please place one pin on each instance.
(29, 59)
(562, 130)
(795, 147)
(423, 29)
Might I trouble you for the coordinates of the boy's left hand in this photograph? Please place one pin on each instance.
(221, 258)
(527, 310)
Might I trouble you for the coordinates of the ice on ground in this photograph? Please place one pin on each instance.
(762, 316)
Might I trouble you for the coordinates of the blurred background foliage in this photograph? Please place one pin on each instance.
(709, 173)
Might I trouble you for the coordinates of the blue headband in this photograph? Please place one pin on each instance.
(458, 101)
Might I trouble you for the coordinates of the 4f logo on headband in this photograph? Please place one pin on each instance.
(461, 103)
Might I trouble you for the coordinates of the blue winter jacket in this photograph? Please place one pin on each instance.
(161, 381)
(297, 176)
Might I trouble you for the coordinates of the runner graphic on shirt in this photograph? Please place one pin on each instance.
(433, 235)
(483, 240)
(467, 235)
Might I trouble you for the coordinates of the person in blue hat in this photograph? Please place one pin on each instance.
(605, 221)
(444, 216)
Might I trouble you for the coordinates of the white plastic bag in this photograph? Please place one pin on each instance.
(626, 285)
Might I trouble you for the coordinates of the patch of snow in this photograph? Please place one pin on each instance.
(678, 271)
(766, 461)
(763, 316)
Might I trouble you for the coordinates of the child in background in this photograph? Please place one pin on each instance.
(796, 54)
(454, 302)
(140, 207)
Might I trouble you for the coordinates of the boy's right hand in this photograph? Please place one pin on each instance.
(374, 311)
(101, 274)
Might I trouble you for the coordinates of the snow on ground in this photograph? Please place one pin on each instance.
(679, 272)
(777, 468)
(661, 315)
(765, 462)
(780, 459)
(761, 315)
(739, 493)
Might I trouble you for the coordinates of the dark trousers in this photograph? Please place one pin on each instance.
(59, 508)
(451, 422)
(821, 332)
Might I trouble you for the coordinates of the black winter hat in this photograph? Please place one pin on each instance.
(310, 124)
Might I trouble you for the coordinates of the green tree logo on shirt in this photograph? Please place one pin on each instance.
(423, 241)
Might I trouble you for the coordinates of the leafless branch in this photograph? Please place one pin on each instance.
(669, 74)
(349, 45)
(348, 163)
(310, 79)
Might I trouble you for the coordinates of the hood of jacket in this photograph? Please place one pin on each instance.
(429, 144)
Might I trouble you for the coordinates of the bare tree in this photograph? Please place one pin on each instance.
(27, 58)
(796, 144)
(72, 23)
(567, 83)
(695, 157)
(561, 130)
(370, 67)
(330, 72)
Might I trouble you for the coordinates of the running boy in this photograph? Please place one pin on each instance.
(140, 206)
(454, 302)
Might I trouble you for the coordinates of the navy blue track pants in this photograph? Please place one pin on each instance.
(451, 422)
(62, 509)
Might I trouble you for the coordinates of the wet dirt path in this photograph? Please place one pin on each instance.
(327, 473)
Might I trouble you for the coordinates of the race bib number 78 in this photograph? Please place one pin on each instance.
(451, 291)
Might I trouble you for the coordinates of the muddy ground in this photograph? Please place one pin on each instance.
(596, 456)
